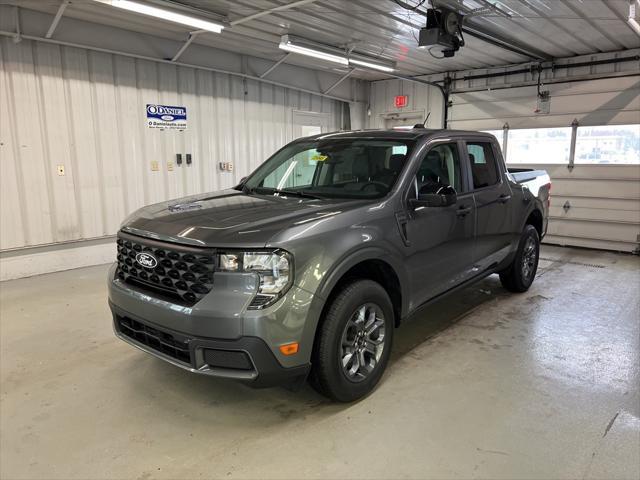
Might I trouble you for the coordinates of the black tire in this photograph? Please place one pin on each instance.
(341, 320)
(519, 276)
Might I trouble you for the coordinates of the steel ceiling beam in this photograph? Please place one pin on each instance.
(275, 65)
(339, 81)
(474, 30)
(56, 19)
(280, 8)
(17, 36)
(537, 34)
(186, 44)
(594, 25)
(504, 43)
(556, 23)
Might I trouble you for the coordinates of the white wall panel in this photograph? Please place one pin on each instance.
(86, 110)
(422, 100)
(27, 144)
(12, 204)
(56, 143)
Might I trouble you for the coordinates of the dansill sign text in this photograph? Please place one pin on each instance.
(166, 116)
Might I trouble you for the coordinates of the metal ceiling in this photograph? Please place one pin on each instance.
(382, 28)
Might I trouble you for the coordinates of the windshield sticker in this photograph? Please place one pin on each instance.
(319, 158)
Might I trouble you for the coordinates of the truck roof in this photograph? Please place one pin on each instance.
(399, 134)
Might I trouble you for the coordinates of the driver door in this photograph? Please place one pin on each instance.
(440, 240)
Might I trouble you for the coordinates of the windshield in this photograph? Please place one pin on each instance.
(332, 168)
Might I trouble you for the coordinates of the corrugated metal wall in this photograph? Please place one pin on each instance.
(85, 110)
(422, 100)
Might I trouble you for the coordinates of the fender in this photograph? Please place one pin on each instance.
(342, 266)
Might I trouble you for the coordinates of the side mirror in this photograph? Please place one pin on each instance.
(445, 197)
(242, 180)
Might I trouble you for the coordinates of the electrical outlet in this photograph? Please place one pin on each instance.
(155, 166)
(60, 170)
(170, 166)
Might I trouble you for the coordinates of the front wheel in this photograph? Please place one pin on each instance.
(354, 342)
(519, 276)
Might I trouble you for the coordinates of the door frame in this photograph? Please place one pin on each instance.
(306, 118)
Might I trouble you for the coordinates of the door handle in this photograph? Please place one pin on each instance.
(462, 211)
(504, 198)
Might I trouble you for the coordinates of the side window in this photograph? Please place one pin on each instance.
(439, 168)
(484, 168)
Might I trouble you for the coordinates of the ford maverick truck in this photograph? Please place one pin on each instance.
(305, 268)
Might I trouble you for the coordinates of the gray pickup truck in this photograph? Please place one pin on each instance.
(305, 268)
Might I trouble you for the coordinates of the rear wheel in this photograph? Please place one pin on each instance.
(354, 342)
(519, 276)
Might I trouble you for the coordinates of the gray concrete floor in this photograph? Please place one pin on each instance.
(484, 384)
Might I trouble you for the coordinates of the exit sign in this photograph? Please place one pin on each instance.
(401, 101)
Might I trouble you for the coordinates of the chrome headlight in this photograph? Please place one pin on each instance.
(274, 270)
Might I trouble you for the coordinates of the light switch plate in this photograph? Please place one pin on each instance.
(155, 166)
(170, 166)
(60, 170)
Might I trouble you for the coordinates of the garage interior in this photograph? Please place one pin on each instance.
(481, 384)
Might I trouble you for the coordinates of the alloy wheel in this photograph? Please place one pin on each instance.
(529, 257)
(362, 342)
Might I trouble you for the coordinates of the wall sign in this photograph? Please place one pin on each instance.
(166, 117)
(401, 101)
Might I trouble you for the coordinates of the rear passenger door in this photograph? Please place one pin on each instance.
(492, 198)
(439, 240)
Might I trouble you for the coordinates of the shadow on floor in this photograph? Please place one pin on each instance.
(167, 385)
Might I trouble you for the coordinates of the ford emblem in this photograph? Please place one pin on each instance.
(146, 260)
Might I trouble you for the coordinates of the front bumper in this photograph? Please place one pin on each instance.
(219, 335)
(247, 359)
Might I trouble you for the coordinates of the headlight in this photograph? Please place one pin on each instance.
(273, 269)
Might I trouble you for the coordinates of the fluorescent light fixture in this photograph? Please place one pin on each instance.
(634, 15)
(164, 14)
(294, 44)
(312, 49)
(375, 64)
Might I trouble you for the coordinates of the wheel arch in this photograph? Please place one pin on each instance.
(536, 219)
(372, 263)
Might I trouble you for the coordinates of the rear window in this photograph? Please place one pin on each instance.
(484, 168)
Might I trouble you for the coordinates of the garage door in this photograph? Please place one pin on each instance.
(596, 201)
(594, 206)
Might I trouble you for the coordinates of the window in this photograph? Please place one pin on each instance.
(333, 168)
(617, 144)
(539, 145)
(483, 165)
(440, 167)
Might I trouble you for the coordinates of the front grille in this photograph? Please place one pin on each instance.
(182, 274)
(155, 339)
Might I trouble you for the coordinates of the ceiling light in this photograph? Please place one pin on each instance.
(312, 49)
(164, 14)
(634, 15)
(375, 64)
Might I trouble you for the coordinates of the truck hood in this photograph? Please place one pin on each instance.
(230, 218)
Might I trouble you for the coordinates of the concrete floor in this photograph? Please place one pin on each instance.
(485, 384)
